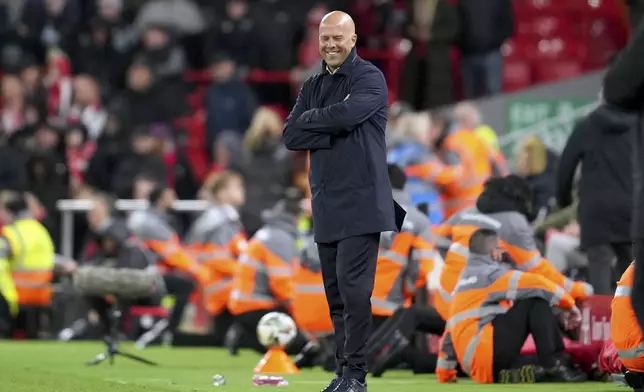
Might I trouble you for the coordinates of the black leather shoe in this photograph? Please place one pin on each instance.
(352, 385)
(563, 373)
(334, 384)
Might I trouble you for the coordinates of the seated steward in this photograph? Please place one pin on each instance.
(494, 310)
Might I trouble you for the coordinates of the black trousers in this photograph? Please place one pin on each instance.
(601, 274)
(249, 320)
(527, 316)
(426, 320)
(349, 271)
(103, 308)
(6, 320)
(180, 287)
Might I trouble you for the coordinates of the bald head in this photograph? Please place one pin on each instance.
(337, 37)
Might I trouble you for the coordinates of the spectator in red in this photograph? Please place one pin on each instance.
(58, 83)
(79, 150)
(87, 108)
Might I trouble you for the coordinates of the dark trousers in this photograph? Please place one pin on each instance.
(349, 271)
(180, 287)
(5, 319)
(527, 316)
(601, 274)
(424, 319)
(248, 322)
(103, 309)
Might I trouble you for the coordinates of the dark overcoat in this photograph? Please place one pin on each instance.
(341, 118)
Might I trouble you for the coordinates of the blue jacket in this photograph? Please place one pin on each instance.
(341, 118)
(420, 191)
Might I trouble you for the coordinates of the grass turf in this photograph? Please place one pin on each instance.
(59, 367)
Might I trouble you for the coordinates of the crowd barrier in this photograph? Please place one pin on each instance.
(68, 208)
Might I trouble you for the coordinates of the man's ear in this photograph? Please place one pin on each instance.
(354, 39)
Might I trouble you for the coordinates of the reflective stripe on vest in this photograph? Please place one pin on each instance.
(219, 286)
(309, 288)
(631, 353)
(393, 256)
(219, 254)
(444, 363)
(392, 306)
(459, 249)
(623, 291)
(238, 295)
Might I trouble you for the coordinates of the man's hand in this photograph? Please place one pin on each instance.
(571, 318)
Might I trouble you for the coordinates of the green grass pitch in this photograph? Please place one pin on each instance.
(60, 367)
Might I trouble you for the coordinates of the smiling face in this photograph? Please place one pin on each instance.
(336, 37)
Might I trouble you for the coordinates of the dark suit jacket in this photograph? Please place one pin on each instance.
(341, 118)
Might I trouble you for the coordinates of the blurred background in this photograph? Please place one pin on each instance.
(97, 93)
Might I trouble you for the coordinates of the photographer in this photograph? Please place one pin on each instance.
(116, 251)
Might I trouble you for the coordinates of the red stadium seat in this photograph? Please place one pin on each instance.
(550, 49)
(517, 75)
(550, 71)
(533, 8)
(605, 8)
(546, 27)
(602, 43)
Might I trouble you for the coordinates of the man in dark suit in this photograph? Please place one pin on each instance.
(340, 116)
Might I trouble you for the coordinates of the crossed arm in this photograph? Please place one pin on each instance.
(312, 129)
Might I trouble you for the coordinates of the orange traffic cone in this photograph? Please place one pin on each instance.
(275, 361)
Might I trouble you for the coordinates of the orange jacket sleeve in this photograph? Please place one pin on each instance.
(522, 285)
(436, 172)
(174, 255)
(517, 239)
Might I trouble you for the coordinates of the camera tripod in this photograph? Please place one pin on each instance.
(112, 342)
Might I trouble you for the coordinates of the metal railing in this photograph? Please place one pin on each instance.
(68, 208)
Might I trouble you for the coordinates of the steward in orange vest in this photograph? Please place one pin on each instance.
(216, 240)
(264, 275)
(504, 206)
(494, 310)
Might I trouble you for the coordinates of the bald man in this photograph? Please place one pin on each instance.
(340, 117)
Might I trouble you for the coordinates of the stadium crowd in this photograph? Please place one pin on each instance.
(90, 95)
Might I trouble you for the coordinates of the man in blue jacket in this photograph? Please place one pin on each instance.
(340, 116)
